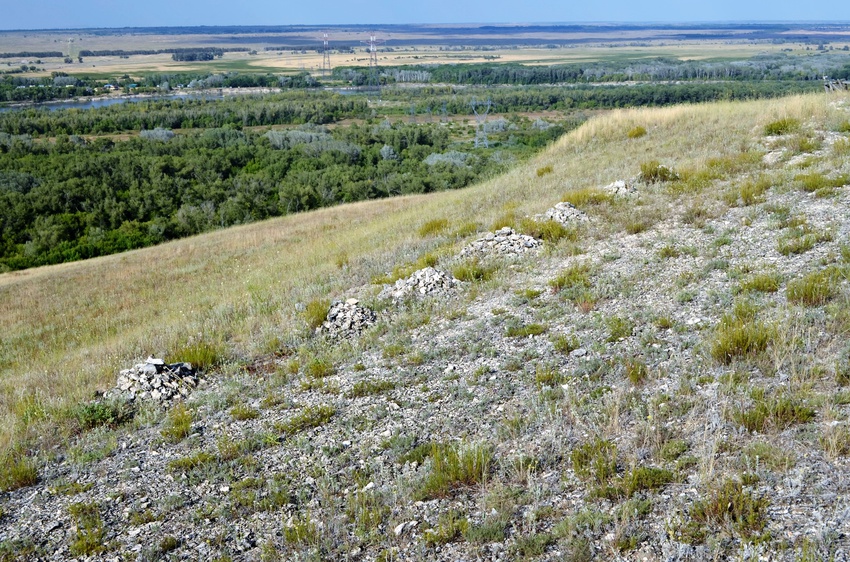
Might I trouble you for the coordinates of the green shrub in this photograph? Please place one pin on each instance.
(316, 312)
(815, 289)
(301, 531)
(532, 545)
(782, 126)
(643, 478)
(432, 227)
(545, 170)
(96, 414)
(669, 251)
(492, 529)
(548, 376)
(636, 132)
(454, 466)
(192, 462)
(814, 182)
(655, 172)
(308, 418)
(673, 449)
(574, 282)
(472, 271)
(178, 423)
(17, 471)
(506, 219)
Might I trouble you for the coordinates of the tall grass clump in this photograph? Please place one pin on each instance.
(548, 230)
(544, 171)
(586, 197)
(655, 172)
(761, 283)
(815, 289)
(17, 471)
(316, 312)
(772, 411)
(729, 507)
(473, 270)
(433, 227)
(740, 335)
(202, 354)
(782, 126)
(178, 424)
(455, 466)
(636, 132)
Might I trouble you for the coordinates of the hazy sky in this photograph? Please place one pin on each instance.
(47, 14)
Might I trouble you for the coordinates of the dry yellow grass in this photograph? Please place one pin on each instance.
(66, 330)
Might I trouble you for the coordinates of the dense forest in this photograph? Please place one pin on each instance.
(73, 199)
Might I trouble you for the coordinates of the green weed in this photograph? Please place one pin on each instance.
(782, 126)
(308, 418)
(636, 132)
(178, 424)
(433, 227)
(454, 466)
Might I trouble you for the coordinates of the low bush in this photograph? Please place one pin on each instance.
(636, 132)
(740, 335)
(761, 283)
(595, 461)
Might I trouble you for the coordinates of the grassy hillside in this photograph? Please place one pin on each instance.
(713, 302)
(66, 330)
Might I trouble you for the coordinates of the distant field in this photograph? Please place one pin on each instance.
(406, 45)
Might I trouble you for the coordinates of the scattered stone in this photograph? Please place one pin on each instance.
(504, 241)
(155, 380)
(426, 281)
(346, 319)
(564, 213)
(621, 188)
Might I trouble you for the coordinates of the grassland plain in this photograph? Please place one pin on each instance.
(677, 391)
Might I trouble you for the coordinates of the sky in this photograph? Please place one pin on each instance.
(53, 14)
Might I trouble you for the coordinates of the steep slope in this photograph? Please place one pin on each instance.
(663, 380)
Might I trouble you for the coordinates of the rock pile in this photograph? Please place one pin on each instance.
(503, 242)
(620, 188)
(564, 213)
(155, 380)
(347, 319)
(423, 282)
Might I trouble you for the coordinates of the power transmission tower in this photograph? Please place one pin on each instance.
(374, 77)
(326, 56)
(481, 118)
